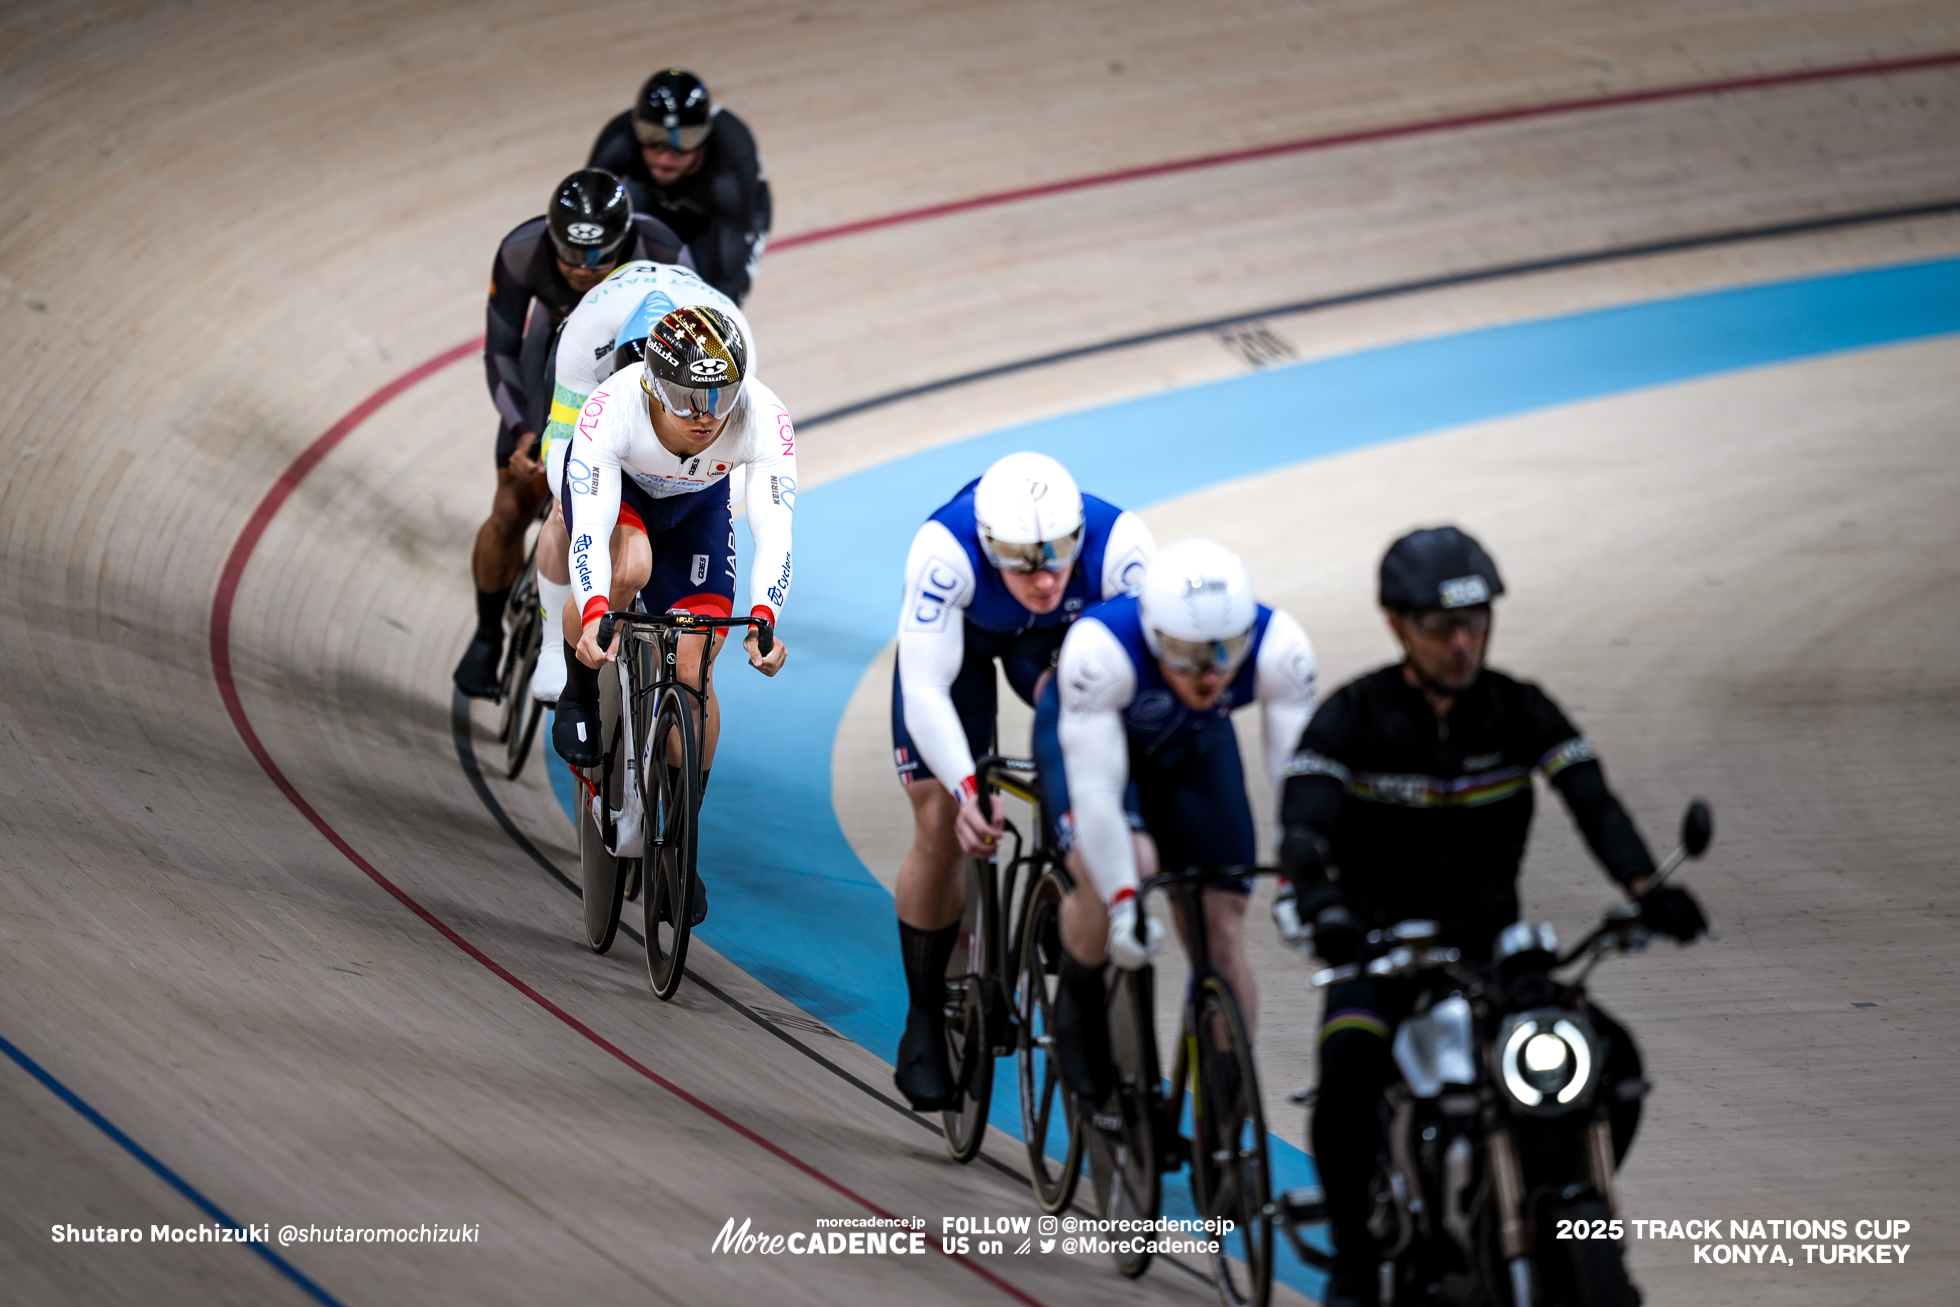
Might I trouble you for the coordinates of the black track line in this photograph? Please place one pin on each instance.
(1672, 245)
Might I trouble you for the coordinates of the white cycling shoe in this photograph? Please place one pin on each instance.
(548, 681)
(627, 823)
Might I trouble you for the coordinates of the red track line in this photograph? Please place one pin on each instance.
(221, 610)
(1423, 128)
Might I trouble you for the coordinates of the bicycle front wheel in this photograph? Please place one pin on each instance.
(520, 712)
(673, 797)
(969, 1051)
(599, 870)
(1049, 1120)
(1120, 1134)
(1230, 1174)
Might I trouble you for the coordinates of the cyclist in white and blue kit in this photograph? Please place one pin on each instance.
(998, 572)
(1140, 766)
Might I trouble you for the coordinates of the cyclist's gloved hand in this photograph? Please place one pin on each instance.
(1293, 932)
(1337, 935)
(1303, 854)
(1669, 910)
(1125, 949)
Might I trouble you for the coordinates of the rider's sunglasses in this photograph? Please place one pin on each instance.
(678, 140)
(690, 401)
(589, 257)
(1196, 657)
(1442, 623)
(1057, 555)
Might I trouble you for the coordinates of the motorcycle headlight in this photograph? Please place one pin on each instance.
(1546, 1061)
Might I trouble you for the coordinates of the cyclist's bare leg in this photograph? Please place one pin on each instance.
(931, 892)
(687, 665)
(1085, 921)
(632, 559)
(499, 552)
(555, 548)
(1225, 936)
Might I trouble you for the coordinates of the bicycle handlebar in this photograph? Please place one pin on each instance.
(765, 631)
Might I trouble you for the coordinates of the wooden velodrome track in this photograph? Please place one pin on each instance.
(223, 228)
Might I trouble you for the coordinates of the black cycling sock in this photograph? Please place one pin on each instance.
(1084, 982)
(490, 613)
(926, 953)
(704, 781)
(581, 682)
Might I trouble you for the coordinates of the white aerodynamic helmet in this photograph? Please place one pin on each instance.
(1197, 606)
(1029, 515)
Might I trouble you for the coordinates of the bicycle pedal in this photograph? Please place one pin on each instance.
(1306, 1205)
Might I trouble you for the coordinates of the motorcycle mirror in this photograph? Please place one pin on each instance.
(1697, 828)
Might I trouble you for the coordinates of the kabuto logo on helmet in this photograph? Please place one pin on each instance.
(586, 233)
(1460, 592)
(709, 369)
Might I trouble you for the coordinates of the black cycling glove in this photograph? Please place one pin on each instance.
(1668, 910)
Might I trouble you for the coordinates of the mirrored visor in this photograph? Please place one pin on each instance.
(1057, 555)
(588, 256)
(682, 139)
(1199, 656)
(690, 401)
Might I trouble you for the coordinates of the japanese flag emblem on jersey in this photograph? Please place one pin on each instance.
(718, 469)
(700, 568)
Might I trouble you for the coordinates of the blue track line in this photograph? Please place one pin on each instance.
(162, 1172)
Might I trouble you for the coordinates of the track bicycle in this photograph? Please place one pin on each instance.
(518, 713)
(979, 1022)
(647, 715)
(1132, 1138)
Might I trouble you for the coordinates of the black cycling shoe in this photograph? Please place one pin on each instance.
(923, 1075)
(575, 733)
(1353, 1286)
(1082, 1031)
(477, 675)
(697, 894)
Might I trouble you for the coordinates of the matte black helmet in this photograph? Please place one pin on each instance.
(696, 362)
(1439, 567)
(590, 218)
(673, 110)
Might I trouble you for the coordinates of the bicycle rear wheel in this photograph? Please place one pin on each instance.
(1047, 1106)
(673, 796)
(1230, 1174)
(1120, 1134)
(600, 872)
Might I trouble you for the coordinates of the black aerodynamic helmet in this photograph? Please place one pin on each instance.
(696, 361)
(673, 110)
(590, 218)
(1438, 567)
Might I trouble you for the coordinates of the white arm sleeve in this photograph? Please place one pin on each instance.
(1097, 683)
(593, 470)
(1284, 684)
(771, 497)
(939, 584)
(1129, 547)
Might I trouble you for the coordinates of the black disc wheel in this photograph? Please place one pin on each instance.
(1049, 1123)
(518, 713)
(968, 1049)
(600, 872)
(1230, 1174)
(1120, 1133)
(673, 796)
